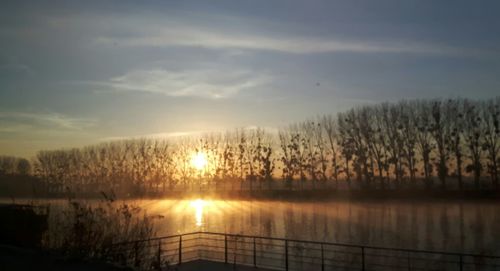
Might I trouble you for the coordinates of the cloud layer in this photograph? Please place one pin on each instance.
(185, 35)
(165, 68)
(12, 122)
(212, 83)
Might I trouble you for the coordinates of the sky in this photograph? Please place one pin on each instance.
(74, 73)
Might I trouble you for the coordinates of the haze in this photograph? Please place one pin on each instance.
(78, 73)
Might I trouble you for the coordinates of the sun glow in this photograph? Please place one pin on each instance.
(199, 160)
(198, 206)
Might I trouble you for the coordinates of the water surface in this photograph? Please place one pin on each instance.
(450, 226)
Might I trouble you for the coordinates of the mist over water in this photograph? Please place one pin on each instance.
(469, 227)
(451, 226)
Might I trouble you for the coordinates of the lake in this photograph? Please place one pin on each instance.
(469, 226)
(451, 226)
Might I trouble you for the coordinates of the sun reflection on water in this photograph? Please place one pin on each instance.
(198, 206)
(197, 214)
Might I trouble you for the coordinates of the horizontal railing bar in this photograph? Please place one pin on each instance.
(353, 245)
(168, 255)
(213, 246)
(212, 239)
(270, 252)
(306, 262)
(399, 267)
(168, 243)
(398, 257)
(272, 258)
(161, 237)
(271, 267)
(337, 265)
(241, 254)
(241, 245)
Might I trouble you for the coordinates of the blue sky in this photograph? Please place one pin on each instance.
(80, 72)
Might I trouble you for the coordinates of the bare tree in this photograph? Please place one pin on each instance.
(455, 118)
(10, 165)
(392, 128)
(424, 139)
(330, 127)
(473, 138)
(307, 130)
(347, 143)
(408, 131)
(321, 150)
(441, 135)
(377, 143)
(491, 138)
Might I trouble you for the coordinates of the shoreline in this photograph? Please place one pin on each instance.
(295, 195)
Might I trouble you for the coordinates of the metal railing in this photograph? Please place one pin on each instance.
(287, 254)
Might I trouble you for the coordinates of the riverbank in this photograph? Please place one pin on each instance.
(297, 195)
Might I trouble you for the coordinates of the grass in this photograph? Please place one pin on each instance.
(88, 231)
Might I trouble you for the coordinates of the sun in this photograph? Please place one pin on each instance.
(199, 160)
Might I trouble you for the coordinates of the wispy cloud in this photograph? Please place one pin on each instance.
(12, 122)
(11, 65)
(213, 83)
(166, 135)
(225, 32)
(17, 68)
(206, 29)
(192, 134)
(192, 36)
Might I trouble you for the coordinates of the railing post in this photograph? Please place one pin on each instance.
(461, 260)
(124, 260)
(225, 248)
(180, 249)
(136, 254)
(363, 258)
(286, 255)
(199, 245)
(159, 254)
(322, 258)
(408, 260)
(254, 254)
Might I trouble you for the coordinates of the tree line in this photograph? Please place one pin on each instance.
(433, 144)
(10, 165)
